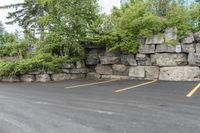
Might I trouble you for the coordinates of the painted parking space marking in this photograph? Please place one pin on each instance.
(90, 84)
(195, 89)
(136, 86)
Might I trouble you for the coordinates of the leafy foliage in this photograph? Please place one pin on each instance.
(61, 25)
(138, 19)
(42, 63)
(13, 50)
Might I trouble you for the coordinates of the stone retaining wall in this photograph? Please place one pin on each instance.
(160, 57)
(69, 71)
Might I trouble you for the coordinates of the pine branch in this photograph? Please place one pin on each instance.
(12, 6)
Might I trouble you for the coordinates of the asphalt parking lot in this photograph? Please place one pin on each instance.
(89, 106)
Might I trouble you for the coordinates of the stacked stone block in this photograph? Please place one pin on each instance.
(158, 58)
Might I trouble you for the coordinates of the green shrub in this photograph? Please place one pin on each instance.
(42, 63)
(13, 49)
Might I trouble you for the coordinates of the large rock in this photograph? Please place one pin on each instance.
(92, 60)
(197, 36)
(197, 45)
(147, 72)
(151, 72)
(146, 62)
(147, 49)
(66, 70)
(27, 78)
(188, 48)
(119, 69)
(165, 48)
(115, 53)
(78, 76)
(137, 72)
(80, 64)
(128, 60)
(188, 39)
(155, 39)
(153, 59)
(10, 79)
(170, 59)
(80, 70)
(60, 76)
(93, 75)
(143, 60)
(141, 57)
(107, 60)
(194, 59)
(68, 65)
(93, 56)
(104, 69)
(171, 34)
(185, 73)
(43, 78)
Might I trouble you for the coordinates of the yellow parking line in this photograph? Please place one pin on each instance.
(191, 93)
(132, 87)
(90, 84)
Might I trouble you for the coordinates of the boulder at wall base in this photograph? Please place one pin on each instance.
(137, 72)
(104, 69)
(186, 73)
(93, 75)
(146, 72)
(43, 78)
(151, 72)
(60, 76)
(166, 59)
(28, 78)
(80, 70)
(78, 76)
(128, 60)
(107, 60)
(119, 68)
(10, 79)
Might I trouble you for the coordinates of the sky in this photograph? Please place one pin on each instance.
(106, 6)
